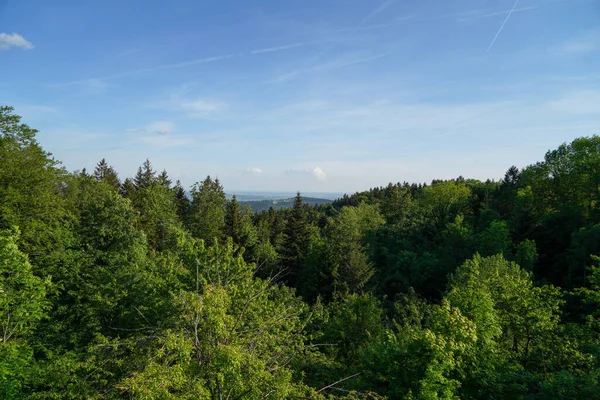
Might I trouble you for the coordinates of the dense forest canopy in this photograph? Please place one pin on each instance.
(116, 288)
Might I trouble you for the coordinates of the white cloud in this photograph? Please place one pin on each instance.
(256, 171)
(319, 174)
(585, 43)
(316, 173)
(15, 40)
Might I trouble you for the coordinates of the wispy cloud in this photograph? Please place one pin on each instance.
(92, 86)
(588, 42)
(378, 10)
(461, 16)
(183, 64)
(161, 127)
(327, 66)
(155, 128)
(253, 171)
(14, 40)
(277, 48)
(194, 107)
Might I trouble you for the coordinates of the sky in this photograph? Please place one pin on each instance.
(309, 95)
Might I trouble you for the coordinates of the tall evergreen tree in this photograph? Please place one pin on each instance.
(233, 220)
(145, 175)
(182, 201)
(164, 180)
(238, 226)
(106, 173)
(128, 189)
(296, 241)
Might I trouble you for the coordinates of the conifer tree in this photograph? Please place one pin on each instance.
(145, 175)
(106, 173)
(164, 180)
(182, 201)
(296, 240)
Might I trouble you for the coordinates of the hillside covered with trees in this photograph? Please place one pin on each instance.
(127, 288)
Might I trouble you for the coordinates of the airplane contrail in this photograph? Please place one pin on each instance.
(382, 7)
(502, 26)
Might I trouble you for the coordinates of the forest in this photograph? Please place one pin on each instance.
(129, 288)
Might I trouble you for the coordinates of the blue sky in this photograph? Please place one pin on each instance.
(311, 95)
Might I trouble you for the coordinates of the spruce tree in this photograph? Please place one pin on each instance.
(296, 241)
(164, 180)
(182, 201)
(106, 173)
(233, 221)
(145, 175)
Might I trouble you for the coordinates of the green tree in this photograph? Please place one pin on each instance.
(31, 184)
(158, 213)
(163, 179)
(516, 322)
(494, 240)
(23, 304)
(106, 173)
(238, 226)
(145, 175)
(350, 237)
(444, 200)
(296, 241)
(207, 210)
(182, 201)
(233, 336)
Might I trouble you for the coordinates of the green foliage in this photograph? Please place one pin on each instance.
(207, 210)
(461, 289)
(350, 238)
(23, 304)
(106, 173)
(30, 192)
(296, 241)
(232, 336)
(443, 200)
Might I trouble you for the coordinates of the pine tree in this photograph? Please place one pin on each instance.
(106, 173)
(296, 241)
(164, 180)
(128, 189)
(233, 220)
(182, 201)
(145, 175)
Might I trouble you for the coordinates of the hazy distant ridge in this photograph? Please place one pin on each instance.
(263, 205)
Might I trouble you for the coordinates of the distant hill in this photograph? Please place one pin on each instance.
(264, 205)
